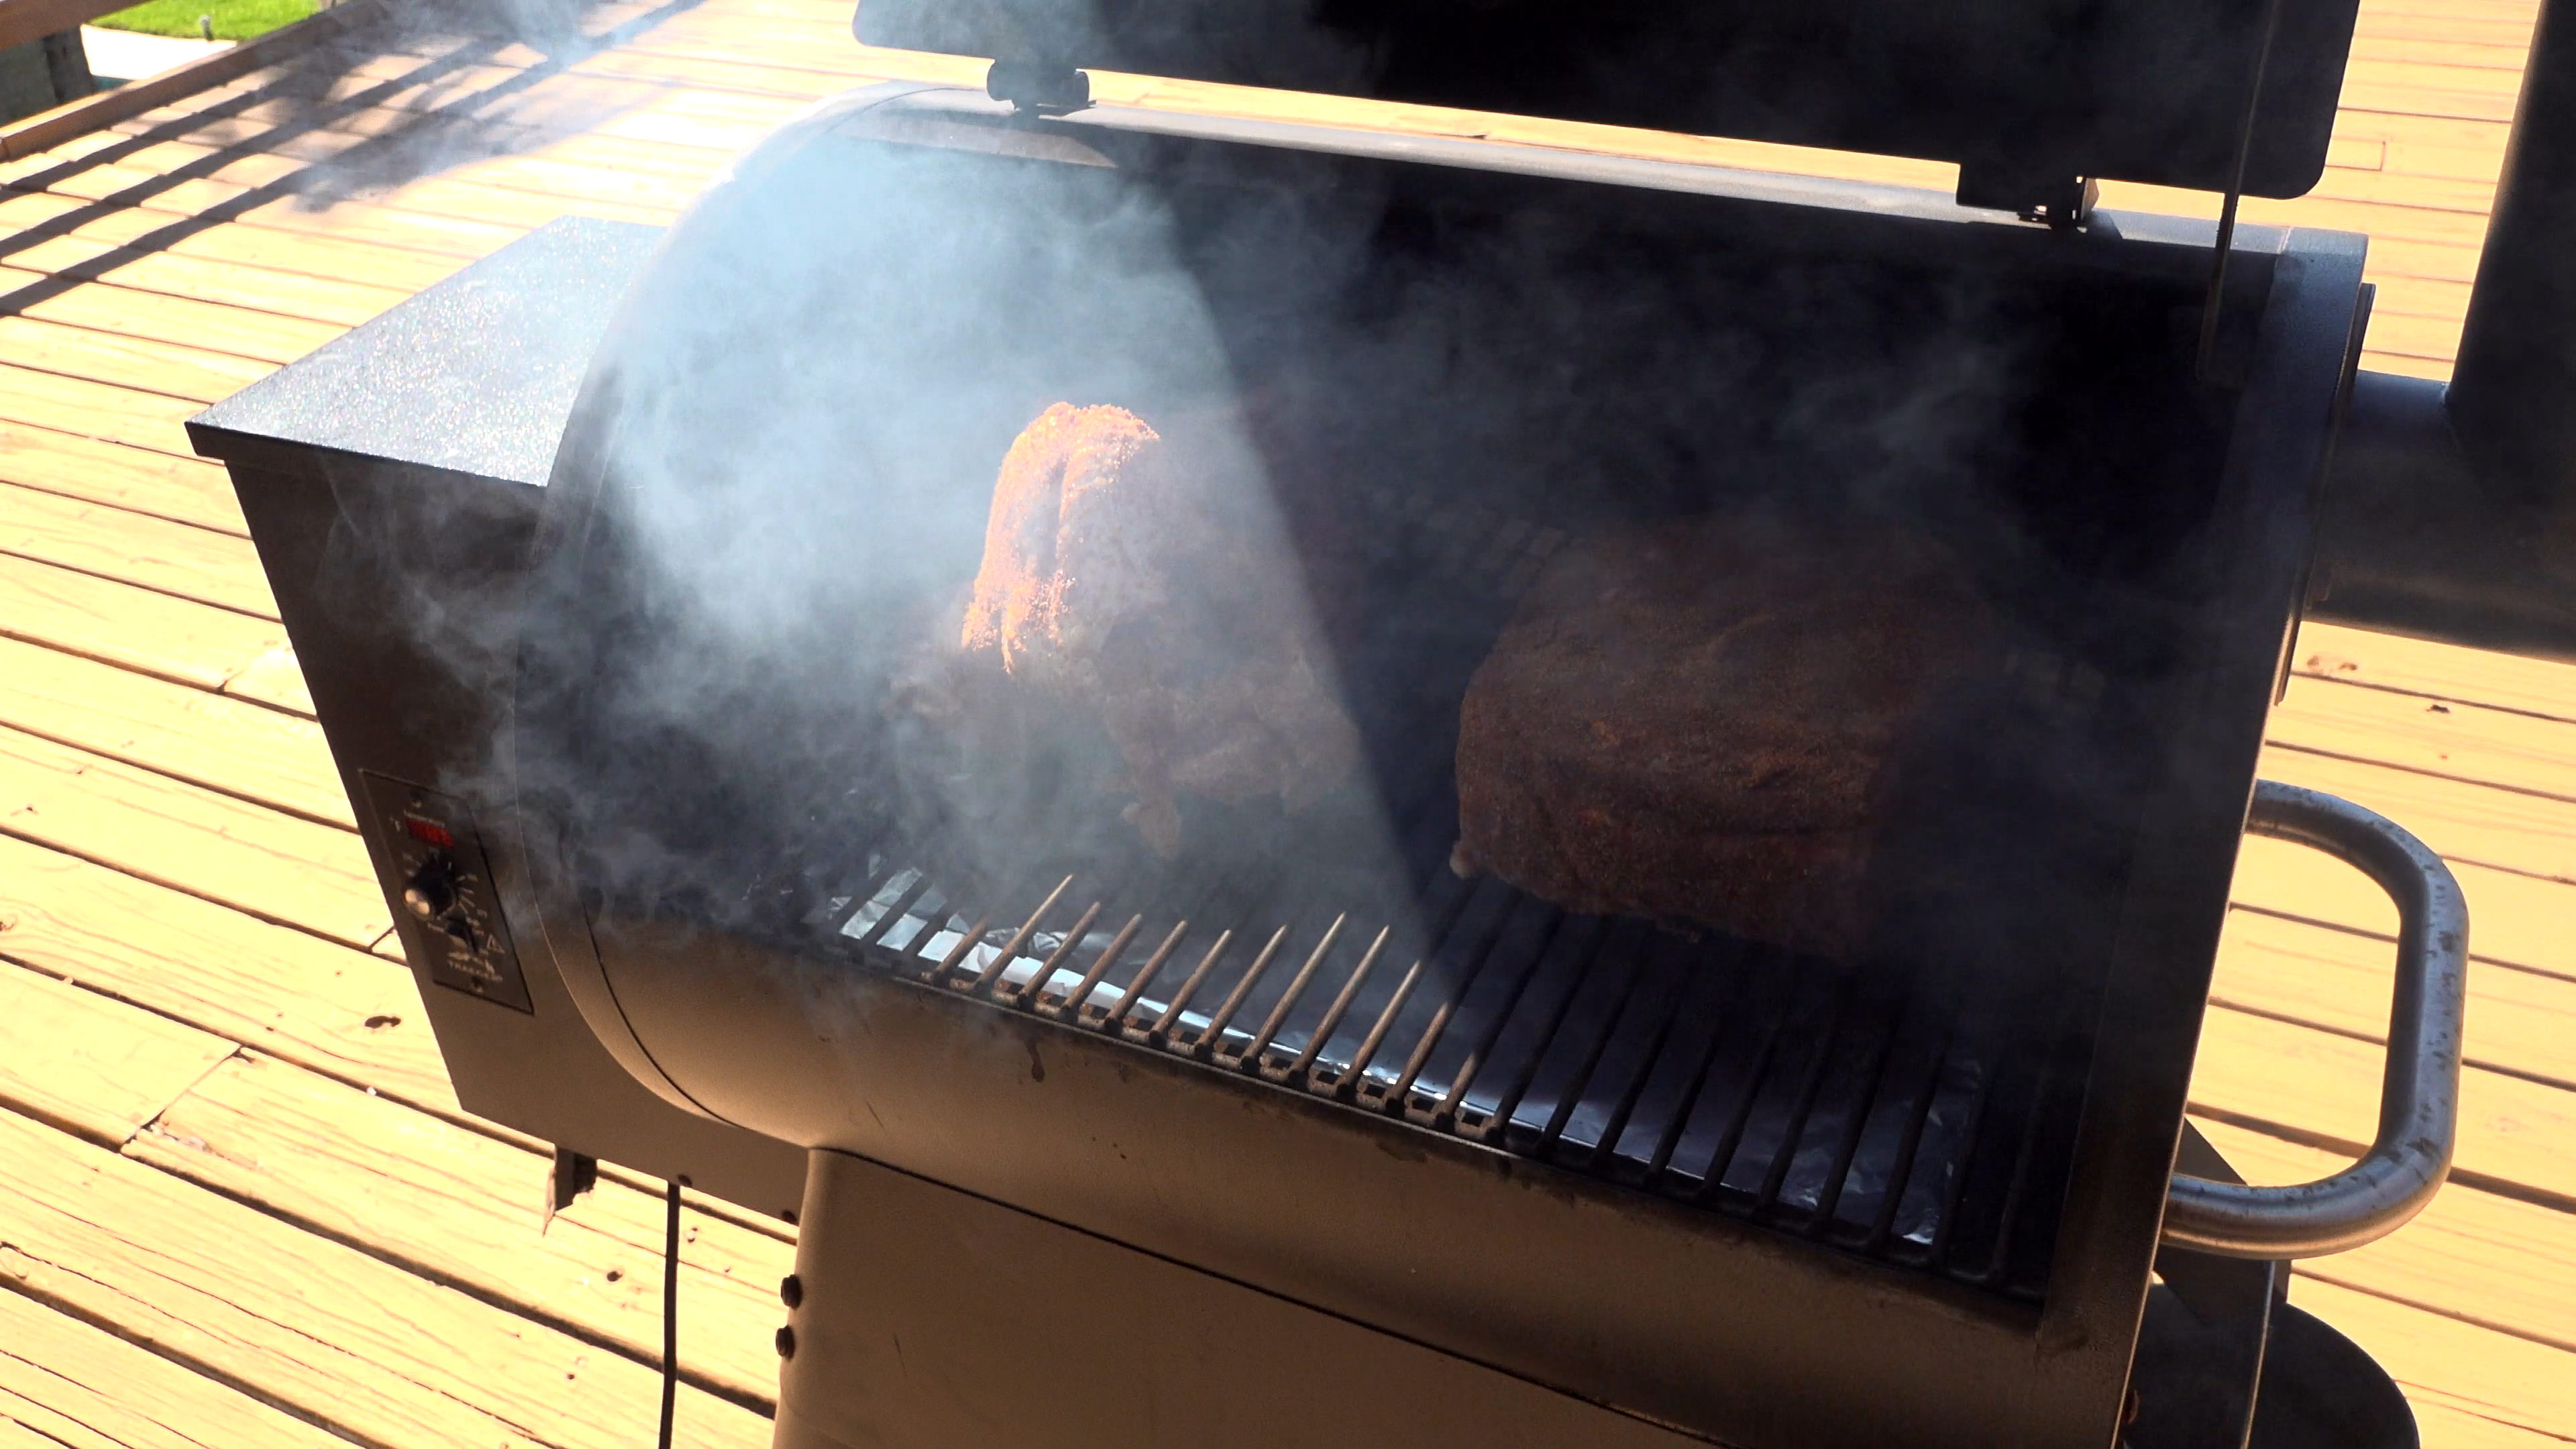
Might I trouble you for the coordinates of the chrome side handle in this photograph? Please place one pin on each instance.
(2419, 1094)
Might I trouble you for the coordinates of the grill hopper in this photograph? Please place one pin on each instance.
(807, 919)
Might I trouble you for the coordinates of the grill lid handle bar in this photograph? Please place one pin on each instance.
(2420, 1091)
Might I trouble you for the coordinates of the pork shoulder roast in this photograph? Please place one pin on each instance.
(1700, 722)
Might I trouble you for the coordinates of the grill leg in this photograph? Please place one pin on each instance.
(2224, 1362)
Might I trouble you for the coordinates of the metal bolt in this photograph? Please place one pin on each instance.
(786, 1343)
(791, 1291)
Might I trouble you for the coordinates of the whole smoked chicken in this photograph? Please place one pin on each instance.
(1148, 580)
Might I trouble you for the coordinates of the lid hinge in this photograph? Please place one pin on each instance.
(2060, 201)
(1037, 86)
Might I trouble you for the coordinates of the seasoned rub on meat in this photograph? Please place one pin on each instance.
(1147, 580)
(1700, 723)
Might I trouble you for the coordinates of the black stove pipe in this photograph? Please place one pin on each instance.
(2512, 390)
(2452, 511)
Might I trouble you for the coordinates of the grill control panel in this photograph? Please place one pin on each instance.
(445, 905)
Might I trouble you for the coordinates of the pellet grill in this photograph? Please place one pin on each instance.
(607, 559)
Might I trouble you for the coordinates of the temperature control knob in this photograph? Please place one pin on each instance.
(432, 891)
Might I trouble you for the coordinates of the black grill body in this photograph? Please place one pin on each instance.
(1909, 1199)
(392, 482)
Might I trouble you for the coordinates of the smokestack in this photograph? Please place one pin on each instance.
(2509, 396)
(2452, 512)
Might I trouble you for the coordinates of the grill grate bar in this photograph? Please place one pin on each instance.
(972, 937)
(1627, 1057)
(1214, 1031)
(1189, 988)
(1949, 1128)
(1377, 1034)
(1821, 1155)
(1261, 1039)
(1333, 1014)
(1045, 973)
(1134, 991)
(1866, 1203)
(1844, 1104)
(1797, 1065)
(1452, 969)
(1994, 1170)
(1983, 1231)
(1484, 1011)
(899, 894)
(918, 923)
(1725, 1102)
(1495, 1088)
(1337, 1067)
(2031, 1237)
(1080, 1001)
(992, 971)
(1550, 1096)
(1655, 1122)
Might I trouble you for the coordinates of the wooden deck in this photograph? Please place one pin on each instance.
(238, 1203)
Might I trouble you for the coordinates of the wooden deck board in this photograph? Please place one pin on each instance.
(158, 634)
(2441, 1360)
(2523, 1022)
(2518, 920)
(97, 239)
(2326, 1086)
(91, 1065)
(194, 373)
(185, 490)
(231, 745)
(2455, 740)
(273, 865)
(2504, 1257)
(273, 679)
(254, 291)
(345, 1013)
(259, 192)
(115, 307)
(459, 1206)
(364, 1345)
(2542, 687)
(180, 559)
(99, 410)
(75, 1385)
(175, 859)
(2530, 834)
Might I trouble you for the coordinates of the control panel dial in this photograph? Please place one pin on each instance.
(446, 909)
(431, 892)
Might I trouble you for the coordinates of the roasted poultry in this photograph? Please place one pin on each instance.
(1148, 580)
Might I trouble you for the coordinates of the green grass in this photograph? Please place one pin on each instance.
(234, 19)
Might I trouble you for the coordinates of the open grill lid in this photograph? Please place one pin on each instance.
(2026, 95)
